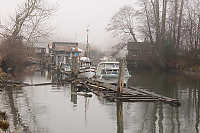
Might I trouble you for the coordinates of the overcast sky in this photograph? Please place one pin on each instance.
(73, 16)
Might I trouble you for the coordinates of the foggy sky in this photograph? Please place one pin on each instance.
(73, 16)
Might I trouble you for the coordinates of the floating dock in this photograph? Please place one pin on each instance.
(129, 94)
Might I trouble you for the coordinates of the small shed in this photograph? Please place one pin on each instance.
(62, 52)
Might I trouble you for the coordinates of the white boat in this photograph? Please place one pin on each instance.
(108, 72)
(86, 70)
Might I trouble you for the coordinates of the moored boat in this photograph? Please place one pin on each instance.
(86, 70)
(108, 72)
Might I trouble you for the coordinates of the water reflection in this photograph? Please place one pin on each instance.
(197, 106)
(22, 119)
(183, 119)
(120, 128)
(160, 117)
(58, 109)
(74, 95)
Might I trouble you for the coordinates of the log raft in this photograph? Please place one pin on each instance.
(130, 94)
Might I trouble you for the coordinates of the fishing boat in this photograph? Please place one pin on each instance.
(108, 72)
(86, 70)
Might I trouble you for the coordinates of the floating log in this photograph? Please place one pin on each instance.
(136, 100)
(130, 94)
(171, 101)
(154, 94)
(41, 84)
(133, 98)
(82, 94)
(19, 83)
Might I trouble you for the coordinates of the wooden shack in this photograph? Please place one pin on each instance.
(139, 54)
(62, 52)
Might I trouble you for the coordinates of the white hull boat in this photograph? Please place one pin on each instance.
(108, 72)
(86, 70)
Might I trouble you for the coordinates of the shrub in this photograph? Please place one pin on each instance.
(13, 55)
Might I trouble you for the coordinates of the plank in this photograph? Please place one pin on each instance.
(153, 94)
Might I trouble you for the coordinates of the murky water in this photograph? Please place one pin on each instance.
(57, 109)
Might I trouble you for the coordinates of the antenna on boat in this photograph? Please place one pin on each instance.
(87, 45)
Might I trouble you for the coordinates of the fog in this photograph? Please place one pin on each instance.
(72, 18)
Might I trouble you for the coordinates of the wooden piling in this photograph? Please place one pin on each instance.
(74, 66)
(120, 79)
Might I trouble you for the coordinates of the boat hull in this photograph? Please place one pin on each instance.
(112, 79)
(86, 75)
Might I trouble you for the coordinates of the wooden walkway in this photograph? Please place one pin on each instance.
(130, 94)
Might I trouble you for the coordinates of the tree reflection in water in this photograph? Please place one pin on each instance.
(128, 117)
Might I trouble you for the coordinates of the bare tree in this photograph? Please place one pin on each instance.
(164, 11)
(30, 21)
(156, 5)
(29, 24)
(175, 19)
(180, 23)
(123, 22)
(147, 15)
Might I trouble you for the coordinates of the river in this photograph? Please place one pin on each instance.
(57, 109)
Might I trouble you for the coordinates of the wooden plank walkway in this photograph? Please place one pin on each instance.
(130, 94)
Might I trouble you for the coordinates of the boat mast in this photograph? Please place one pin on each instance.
(87, 45)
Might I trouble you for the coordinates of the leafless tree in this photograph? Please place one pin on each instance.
(123, 22)
(28, 25)
(180, 22)
(30, 21)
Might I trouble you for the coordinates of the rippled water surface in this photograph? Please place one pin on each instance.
(57, 109)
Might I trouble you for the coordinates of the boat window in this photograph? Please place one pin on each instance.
(111, 71)
(115, 72)
(115, 65)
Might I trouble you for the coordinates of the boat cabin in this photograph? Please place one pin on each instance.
(108, 65)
